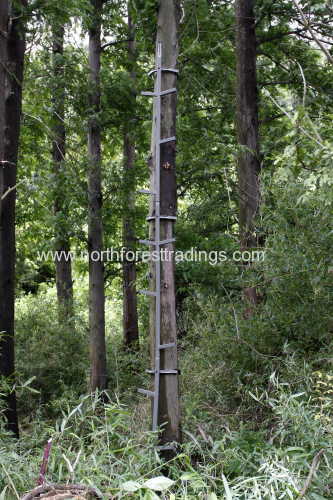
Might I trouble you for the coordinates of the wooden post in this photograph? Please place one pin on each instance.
(169, 405)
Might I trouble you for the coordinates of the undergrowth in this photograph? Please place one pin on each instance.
(103, 446)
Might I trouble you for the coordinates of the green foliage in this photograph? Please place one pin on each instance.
(102, 446)
(55, 355)
(256, 389)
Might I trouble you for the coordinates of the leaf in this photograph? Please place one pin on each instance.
(228, 493)
(28, 382)
(63, 424)
(196, 442)
(131, 486)
(256, 398)
(194, 478)
(150, 495)
(159, 483)
(315, 496)
(211, 496)
(34, 391)
(189, 476)
(3, 493)
(293, 396)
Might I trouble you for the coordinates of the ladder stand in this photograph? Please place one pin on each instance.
(158, 243)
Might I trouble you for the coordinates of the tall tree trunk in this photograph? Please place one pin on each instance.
(4, 15)
(4, 298)
(14, 64)
(62, 243)
(98, 375)
(130, 311)
(247, 123)
(169, 406)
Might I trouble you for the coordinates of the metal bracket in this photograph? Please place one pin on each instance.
(167, 217)
(147, 292)
(157, 243)
(159, 93)
(151, 394)
(168, 139)
(169, 70)
(163, 372)
(167, 346)
(145, 191)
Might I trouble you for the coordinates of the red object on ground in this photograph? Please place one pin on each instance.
(43, 469)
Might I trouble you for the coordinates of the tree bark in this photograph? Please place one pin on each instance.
(13, 65)
(130, 311)
(247, 124)
(169, 405)
(63, 264)
(4, 18)
(98, 375)
(3, 57)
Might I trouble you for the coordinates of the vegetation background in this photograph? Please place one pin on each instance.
(256, 387)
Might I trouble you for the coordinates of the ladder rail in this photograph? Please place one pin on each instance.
(157, 364)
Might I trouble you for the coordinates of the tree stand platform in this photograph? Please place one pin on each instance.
(62, 492)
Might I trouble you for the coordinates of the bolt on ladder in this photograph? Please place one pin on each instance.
(157, 243)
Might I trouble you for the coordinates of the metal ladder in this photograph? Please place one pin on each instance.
(157, 243)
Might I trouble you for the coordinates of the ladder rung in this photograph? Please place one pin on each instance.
(151, 394)
(169, 91)
(163, 372)
(162, 242)
(171, 70)
(147, 292)
(145, 191)
(147, 242)
(169, 240)
(167, 217)
(167, 346)
(167, 139)
(156, 94)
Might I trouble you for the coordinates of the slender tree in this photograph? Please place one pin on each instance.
(130, 312)
(169, 408)
(13, 32)
(3, 58)
(247, 123)
(98, 376)
(4, 19)
(63, 265)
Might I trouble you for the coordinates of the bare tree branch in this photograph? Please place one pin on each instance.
(278, 36)
(308, 26)
(9, 190)
(312, 470)
(110, 44)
